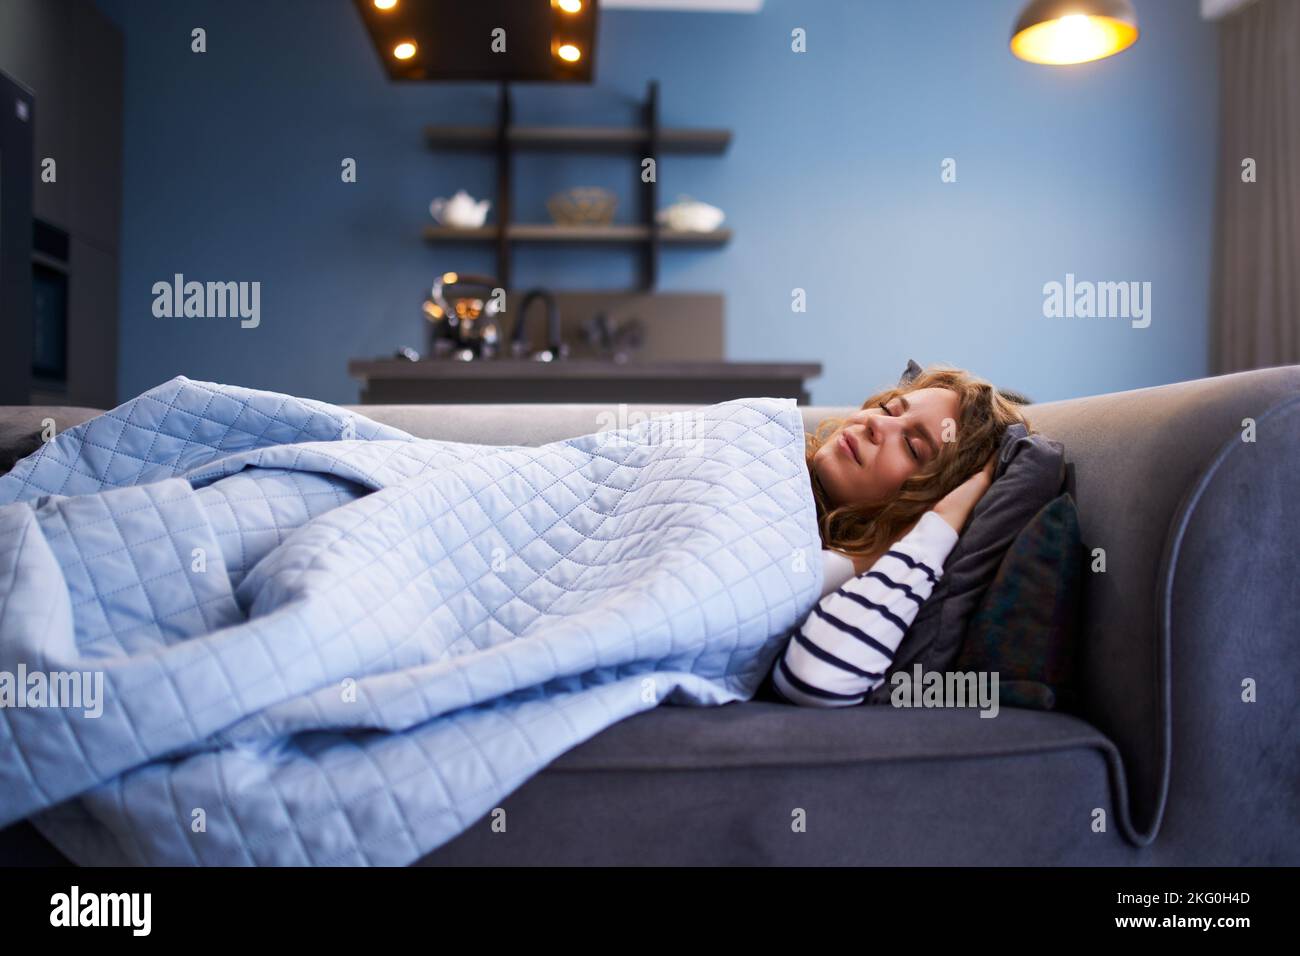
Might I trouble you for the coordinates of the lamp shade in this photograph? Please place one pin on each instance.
(1073, 31)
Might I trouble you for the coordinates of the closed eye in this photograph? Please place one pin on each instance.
(910, 447)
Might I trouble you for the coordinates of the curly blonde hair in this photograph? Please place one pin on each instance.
(985, 413)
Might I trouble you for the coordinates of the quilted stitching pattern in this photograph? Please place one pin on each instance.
(485, 607)
(252, 512)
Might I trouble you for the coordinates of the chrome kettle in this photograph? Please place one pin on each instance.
(462, 311)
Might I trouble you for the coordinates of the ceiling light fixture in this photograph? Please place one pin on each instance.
(1059, 32)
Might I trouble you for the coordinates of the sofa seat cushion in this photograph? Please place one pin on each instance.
(760, 733)
(878, 785)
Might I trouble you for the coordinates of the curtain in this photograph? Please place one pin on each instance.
(1256, 317)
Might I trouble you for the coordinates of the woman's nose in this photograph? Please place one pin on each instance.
(878, 428)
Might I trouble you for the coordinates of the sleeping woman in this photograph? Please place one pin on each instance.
(894, 483)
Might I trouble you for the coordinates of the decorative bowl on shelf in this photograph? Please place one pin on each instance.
(582, 206)
(689, 215)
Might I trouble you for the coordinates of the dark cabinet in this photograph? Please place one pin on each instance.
(399, 382)
(70, 56)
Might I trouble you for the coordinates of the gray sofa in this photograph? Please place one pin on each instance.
(1167, 766)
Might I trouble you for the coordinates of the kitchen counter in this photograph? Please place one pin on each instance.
(398, 381)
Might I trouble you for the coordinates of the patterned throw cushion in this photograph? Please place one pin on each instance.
(1028, 625)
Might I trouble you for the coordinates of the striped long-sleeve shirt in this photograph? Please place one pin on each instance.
(844, 647)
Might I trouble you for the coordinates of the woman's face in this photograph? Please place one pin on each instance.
(877, 449)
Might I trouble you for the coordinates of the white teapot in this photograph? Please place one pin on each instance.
(460, 211)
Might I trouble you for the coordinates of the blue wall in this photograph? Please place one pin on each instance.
(832, 184)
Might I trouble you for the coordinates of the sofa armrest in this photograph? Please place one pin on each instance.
(21, 425)
(1155, 472)
(1229, 616)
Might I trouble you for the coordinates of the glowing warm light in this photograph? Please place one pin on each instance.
(469, 308)
(1076, 38)
(404, 50)
(385, 4)
(568, 6)
(450, 278)
(568, 52)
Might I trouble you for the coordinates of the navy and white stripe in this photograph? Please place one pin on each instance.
(844, 647)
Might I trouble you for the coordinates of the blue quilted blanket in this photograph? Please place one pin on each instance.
(238, 627)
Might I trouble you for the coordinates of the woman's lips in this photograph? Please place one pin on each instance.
(849, 447)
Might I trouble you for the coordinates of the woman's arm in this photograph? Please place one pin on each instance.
(844, 647)
(842, 650)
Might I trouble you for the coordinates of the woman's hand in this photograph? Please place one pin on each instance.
(955, 507)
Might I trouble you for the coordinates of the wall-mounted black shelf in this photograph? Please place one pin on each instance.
(547, 232)
(647, 140)
(614, 139)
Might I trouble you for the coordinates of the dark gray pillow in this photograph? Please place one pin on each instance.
(1030, 473)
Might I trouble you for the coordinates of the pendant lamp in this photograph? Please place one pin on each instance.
(1058, 32)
